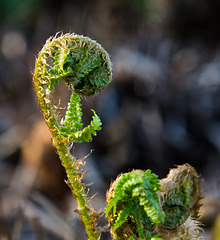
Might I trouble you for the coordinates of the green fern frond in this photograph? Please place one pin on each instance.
(133, 200)
(80, 62)
(72, 128)
(112, 204)
(122, 216)
(85, 68)
(143, 186)
(87, 132)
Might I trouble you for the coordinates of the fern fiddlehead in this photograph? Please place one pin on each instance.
(133, 205)
(180, 196)
(141, 207)
(85, 68)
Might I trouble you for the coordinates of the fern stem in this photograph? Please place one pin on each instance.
(67, 162)
(77, 190)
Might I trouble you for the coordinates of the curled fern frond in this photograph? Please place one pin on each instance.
(85, 68)
(79, 61)
(180, 195)
(133, 204)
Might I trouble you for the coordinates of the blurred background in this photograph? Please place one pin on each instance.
(162, 108)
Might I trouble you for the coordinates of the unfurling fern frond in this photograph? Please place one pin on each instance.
(72, 128)
(133, 204)
(85, 68)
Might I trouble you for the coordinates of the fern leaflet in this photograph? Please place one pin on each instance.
(72, 128)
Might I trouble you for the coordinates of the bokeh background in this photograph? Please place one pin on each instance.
(162, 108)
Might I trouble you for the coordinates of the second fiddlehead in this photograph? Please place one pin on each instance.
(133, 205)
(85, 68)
(142, 208)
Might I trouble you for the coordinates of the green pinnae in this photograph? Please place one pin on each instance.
(133, 201)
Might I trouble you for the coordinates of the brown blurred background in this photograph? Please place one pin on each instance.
(161, 110)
